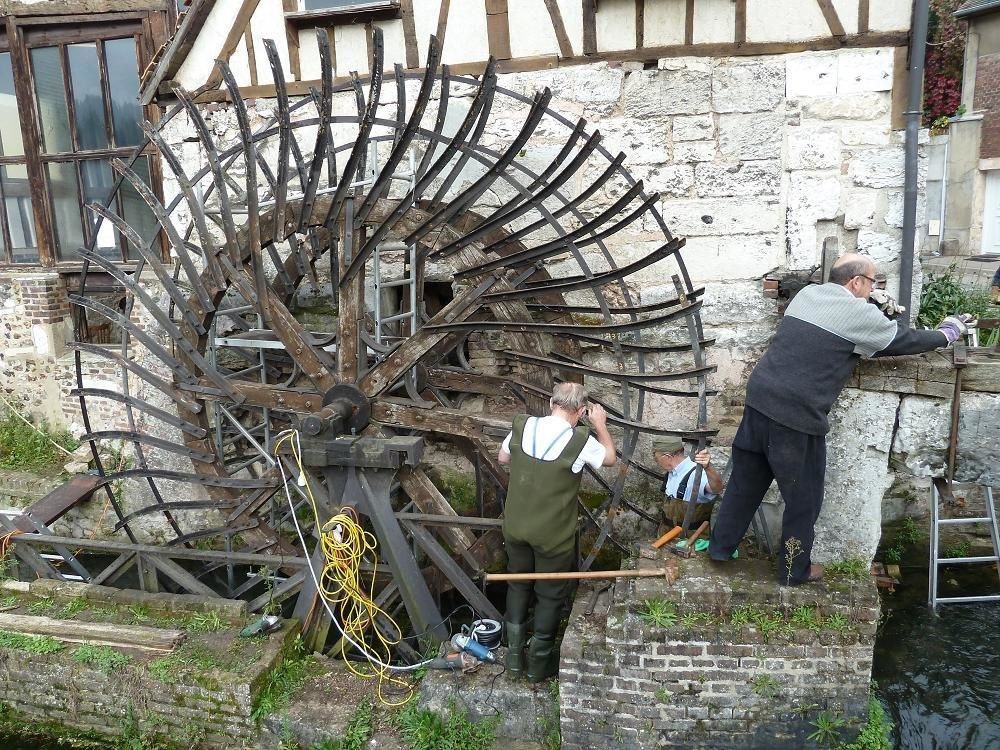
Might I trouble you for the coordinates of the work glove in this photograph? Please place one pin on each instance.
(885, 303)
(956, 326)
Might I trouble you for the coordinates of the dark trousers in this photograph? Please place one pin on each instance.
(549, 595)
(764, 450)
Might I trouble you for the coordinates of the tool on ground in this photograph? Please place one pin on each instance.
(472, 646)
(668, 537)
(595, 596)
(455, 660)
(263, 626)
(688, 549)
(670, 573)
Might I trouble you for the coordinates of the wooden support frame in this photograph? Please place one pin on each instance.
(589, 27)
(565, 47)
(864, 16)
(498, 29)
(832, 19)
(740, 34)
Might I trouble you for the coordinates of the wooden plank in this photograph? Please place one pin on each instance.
(77, 631)
(900, 72)
(589, 27)
(178, 575)
(240, 24)
(498, 29)
(741, 21)
(832, 19)
(430, 519)
(640, 24)
(57, 503)
(289, 587)
(292, 40)
(689, 22)
(442, 25)
(419, 488)
(178, 48)
(251, 56)
(122, 563)
(409, 34)
(565, 48)
(864, 15)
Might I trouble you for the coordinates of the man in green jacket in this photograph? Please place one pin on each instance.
(546, 457)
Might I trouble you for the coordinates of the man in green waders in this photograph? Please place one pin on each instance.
(546, 457)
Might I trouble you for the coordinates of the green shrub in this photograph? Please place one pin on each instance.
(426, 730)
(943, 295)
(875, 734)
(33, 644)
(105, 658)
(659, 613)
(22, 446)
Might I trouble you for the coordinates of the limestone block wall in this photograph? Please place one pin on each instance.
(714, 676)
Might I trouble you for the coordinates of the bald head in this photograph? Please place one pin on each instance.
(855, 272)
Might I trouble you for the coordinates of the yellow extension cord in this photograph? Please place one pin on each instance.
(345, 544)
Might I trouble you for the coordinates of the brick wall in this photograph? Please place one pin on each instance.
(987, 98)
(709, 684)
(44, 298)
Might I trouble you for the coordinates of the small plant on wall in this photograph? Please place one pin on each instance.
(943, 66)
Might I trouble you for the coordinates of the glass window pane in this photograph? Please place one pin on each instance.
(88, 97)
(20, 219)
(65, 194)
(123, 79)
(97, 185)
(10, 125)
(50, 92)
(137, 213)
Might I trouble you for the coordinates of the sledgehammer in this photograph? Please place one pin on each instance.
(670, 572)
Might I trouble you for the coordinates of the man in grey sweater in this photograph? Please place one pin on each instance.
(826, 329)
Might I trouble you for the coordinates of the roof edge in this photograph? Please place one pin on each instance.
(974, 8)
(177, 48)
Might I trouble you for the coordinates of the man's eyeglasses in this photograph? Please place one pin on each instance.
(873, 281)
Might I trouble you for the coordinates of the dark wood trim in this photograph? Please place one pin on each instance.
(640, 24)
(565, 48)
(369, 48)
(409, 34)
(689, 22)
(362, 11)
(900, 70)
(30, 135)
(589, 27)
(548, 62)
(251, 55)
(864, 16)
(240, 24)
(832, 19)
(442, 25)
(177, 49)
(741, 21)
(99, 18)
(498, 29)
(47, 36)
(292, 41)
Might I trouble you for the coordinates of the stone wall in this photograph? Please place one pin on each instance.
(708, 678)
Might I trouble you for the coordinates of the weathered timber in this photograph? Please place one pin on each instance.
(76, 631)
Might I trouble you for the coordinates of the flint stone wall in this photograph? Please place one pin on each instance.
(625, 683)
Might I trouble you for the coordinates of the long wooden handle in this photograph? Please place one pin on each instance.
(698, 532)
(573, 576)
(672, 534)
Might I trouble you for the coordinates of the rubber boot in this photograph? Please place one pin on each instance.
(543, 658)
(516, 634)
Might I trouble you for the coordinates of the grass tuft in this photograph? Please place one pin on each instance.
(105, 658)
(426, 730)
(33, 644)
(659, 613)
(30, 448)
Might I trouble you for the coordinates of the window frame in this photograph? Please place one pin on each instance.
(352, 11)
(21, 35)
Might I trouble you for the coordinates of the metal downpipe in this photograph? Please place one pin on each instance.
(914, 85)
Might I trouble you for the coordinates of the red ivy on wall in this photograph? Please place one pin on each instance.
(945, 59)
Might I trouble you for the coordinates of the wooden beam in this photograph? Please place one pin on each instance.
(640, 24)
(741, 21)
(565, 48)
(236, 32)
(689, 22)
(421, 490)
(590, 27)
(77, 631)
(864, 16)
(898, 104)
(178, 575)
(498, 29)
(442, 26)
(177, 49)
(292, 40)
(832, 19)
(251, 56)
(409, 34)
(548, 62)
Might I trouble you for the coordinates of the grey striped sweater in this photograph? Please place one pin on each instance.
(824, 333)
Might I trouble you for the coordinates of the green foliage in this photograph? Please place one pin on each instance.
(30, 448)
(105, 658)
(909, 532)
(205, 622)
(851, 569)
(132, 736)
(959, 549)
(73, 607)
(9, 601)
(805, 618)
(745, 615)
(765, 686)
(459, 489)
(875, 734)
(138, 614)
(691, 620)
(8, 567)
(772, 624)
(893, 554)
(827, 729)
(943, 295)
(426, 730)
(659, 613)
(33, 644)
(551, 731)
(662, 695)
(281, 684)
(357, 733)
(836, 622)
(41, 606)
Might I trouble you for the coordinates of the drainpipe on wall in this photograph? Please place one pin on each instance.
(914, 86)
